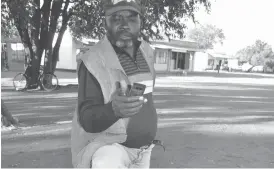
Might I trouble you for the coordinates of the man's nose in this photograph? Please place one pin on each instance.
(124, 24)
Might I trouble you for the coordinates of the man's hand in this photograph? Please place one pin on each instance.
(126, 106)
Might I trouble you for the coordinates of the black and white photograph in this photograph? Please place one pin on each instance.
(137, 84)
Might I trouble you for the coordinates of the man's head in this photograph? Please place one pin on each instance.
(123, 21)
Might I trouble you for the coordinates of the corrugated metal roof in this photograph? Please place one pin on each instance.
(175, 49)
(172, 48)
(217, 55)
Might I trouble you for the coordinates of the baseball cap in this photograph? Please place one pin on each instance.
(112, 6)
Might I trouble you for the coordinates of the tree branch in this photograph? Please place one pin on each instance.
(66, 16)
(45, 22)
(24, 35)
(64, 12)
(55, 13)
(21, 23)
(36, 23)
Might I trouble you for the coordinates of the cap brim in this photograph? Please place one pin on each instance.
(121, 8)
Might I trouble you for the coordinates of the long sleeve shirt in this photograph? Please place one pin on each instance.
(95, 116)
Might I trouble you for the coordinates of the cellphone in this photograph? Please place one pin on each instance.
(137, 89)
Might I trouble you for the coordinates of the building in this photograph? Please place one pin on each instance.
(69, 50)
(214, 58)
(179, 55)
(169, 55)
(15, 53)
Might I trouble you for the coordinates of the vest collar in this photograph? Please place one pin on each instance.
(111, 58)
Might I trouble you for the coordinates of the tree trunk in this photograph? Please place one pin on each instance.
(48, 61)
(66, 17)
(48, 65)
(35, 66)
(55, 58)
(55, 53)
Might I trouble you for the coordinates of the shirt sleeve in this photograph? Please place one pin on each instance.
(94, 115)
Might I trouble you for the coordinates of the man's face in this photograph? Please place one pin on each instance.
(123, 26)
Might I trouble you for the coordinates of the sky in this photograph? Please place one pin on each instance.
(243, 22)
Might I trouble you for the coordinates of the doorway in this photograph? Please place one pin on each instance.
(181, 61)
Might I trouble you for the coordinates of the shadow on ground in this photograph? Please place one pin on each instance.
(202, 124)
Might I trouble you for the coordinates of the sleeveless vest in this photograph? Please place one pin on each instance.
(103, 63)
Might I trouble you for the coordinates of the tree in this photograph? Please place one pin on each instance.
(160, 16)
(207, 36)
(38, 22)
(256, 54)
(8, 30)
(36, 25)
(270, 64)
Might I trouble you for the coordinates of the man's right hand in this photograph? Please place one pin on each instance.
(126, 106)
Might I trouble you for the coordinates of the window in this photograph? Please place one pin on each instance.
(174, 55)
(161, 56)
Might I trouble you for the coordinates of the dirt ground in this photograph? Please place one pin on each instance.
(204, 120)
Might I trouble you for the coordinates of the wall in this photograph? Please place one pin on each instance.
(233, 63)
(73, 56)
(187, 57)
(16, 57)
(159, 64)
(200, 61)
(191, 57)
(67, 53)
(172, 64)
(160, 67)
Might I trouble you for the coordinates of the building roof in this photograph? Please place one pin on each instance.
(173, 45)
(219, 55)
(177, 46)
(172, 48)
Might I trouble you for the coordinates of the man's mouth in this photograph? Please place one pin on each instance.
(125, 36)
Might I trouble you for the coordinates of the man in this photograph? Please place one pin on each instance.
(4, 57)
(109, 129)
(6, 117)
(219, 66)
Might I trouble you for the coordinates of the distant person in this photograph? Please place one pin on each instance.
(4, 58)
(219, 66)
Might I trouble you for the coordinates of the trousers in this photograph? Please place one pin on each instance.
(118, 156)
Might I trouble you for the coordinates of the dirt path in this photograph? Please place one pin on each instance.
(204, 122)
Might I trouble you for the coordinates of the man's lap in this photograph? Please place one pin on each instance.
(118, 156)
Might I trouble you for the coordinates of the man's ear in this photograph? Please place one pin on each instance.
(105, 23)
(142, 22)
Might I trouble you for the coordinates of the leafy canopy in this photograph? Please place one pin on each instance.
(257, 54)
(163, 18)
(207, 36)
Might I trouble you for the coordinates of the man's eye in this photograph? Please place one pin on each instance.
(132, 18)
(116, 18)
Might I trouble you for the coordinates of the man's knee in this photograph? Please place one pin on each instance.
(110, 156)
